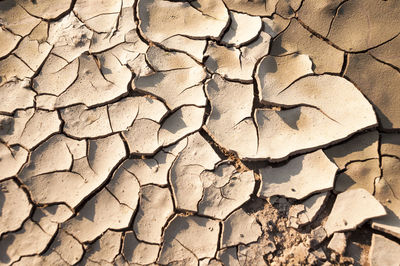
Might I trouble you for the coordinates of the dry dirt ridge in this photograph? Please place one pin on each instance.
(208, 132)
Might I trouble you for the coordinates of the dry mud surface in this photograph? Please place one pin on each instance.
(207, 132)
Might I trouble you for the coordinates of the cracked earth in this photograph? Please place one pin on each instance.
(202, 132)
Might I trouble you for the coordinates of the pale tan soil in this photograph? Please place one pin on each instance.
(207, 132)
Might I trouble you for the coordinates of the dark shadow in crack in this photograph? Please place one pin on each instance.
(38, 215)
(177, 124)
(5, 243)
(382, 118)
(7, 5)
(357, 143)
(92, 153)
(6, 126)
(267, 65)
(276, 46)
(149, 81)
(143, 15)
(290, 117)
(53, 209)
(211, 63)
(254, 205)
(215, 115)
(2, 198)
(280, 173)
(178, 225)
(93, 249)
(88, 211)
(343, 181)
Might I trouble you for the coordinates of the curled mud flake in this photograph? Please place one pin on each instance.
(11, 160)
(288, 131)
(139, 252)
(50, 217)
(386, 191)
(179, 244)
(18, 244)
(308, 108)
(296, 39)
(313, 91)
(226, 62)
(162, 60)
(82, 122)
(100, 213)
(240, 228)
(300, 177)
(309, 92)
(359, 175)
(379, 83)
(104, 249)
(101, 16)
(349, 210)
(125, 187)
(55, 154)
(155, 208)
(8, 42)
(358, 148)
(221, 198)
(255, 8)
(124, 112)
(199, 19)
(274, 74)
(383, 251)
(305, 212)
(15, 206)
(187, 187)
